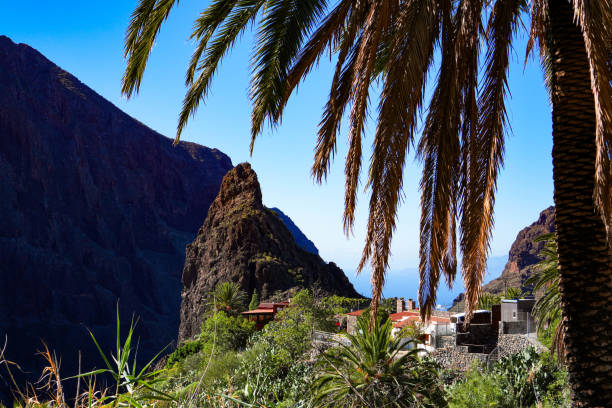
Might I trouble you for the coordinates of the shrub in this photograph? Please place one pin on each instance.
(525, 379)
(186, 349)
(478, 390)
(371, 372)
(227, 332)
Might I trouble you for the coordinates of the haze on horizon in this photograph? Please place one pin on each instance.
(86, 39)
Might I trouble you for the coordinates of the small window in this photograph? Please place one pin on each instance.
(514, 315)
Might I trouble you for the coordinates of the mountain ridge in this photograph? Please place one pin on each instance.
(95, 207)
(245, 242)
(300, 238)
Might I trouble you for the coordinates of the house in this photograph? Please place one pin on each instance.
(264, 313)
(481, 335)
(516, 316)
(407, 314)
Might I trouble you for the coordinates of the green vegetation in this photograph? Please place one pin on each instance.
(547, 310)
(228, 364)
(488, 300)
(254, 300)
(373, 371)
(227, 297)
(523, 380)
(513, 293)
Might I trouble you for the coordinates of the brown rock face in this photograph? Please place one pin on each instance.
(245, 242)
(94, 206)
(523, 254)
(522, 258)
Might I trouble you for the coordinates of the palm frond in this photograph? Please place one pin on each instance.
(325, 36)
(203, 29)
(145, 24)
(284, 25)
(376, 22)
(486, 152)
(339, 98)
(241, 15)
(439, 149)
(545, 280)
(411, 54)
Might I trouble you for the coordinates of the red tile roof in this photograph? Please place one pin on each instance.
(401, 319)
(356, 312)
(401, 315)
(259, 311)
(266, 308)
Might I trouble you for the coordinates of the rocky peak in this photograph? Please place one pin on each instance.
(239, 189)
(523, 253)
(244, 242)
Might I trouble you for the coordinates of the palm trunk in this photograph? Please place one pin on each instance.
(585, 267)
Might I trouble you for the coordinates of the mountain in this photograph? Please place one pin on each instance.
(298, 236)
(95, 207)
(522, 258)
(523, 253)
(245, 242)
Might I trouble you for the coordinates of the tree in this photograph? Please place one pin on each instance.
(462, 143)
(371, 372)
(545, 278)
(227, 297)
(254, 300)
(487, 300)
(513, 293)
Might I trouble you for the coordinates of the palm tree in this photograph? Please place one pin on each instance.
(227, 297)
(545, 280)
(373, 371)
(462, 143)
(488, 300)
(513, 293)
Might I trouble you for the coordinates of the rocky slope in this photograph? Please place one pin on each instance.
(523, 253)
(94, 207)
(522, 257)
(298, 236)
(244, 242)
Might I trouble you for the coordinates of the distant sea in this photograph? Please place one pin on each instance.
(405, 282)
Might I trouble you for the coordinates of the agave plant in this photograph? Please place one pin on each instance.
(375, 371)
(133, 386)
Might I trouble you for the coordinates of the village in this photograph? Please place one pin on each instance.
(506, 329)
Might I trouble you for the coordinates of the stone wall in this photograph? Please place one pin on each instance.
(455, 359)
(445, 341)
(509, 344)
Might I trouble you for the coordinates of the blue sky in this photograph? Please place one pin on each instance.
(86, 39)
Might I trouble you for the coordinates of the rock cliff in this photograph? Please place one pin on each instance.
(522, 257)
(94, 207)
(523, 253)
(245, 242)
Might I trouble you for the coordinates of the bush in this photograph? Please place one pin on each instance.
(478, 389)
(372, 371)
(526, 379)
(227, 332)
(186, 349)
